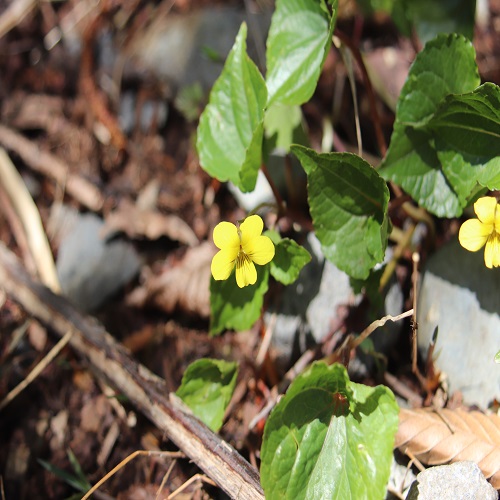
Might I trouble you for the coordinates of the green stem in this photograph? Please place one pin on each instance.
(279, 200)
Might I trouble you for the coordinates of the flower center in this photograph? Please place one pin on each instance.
(242, 258)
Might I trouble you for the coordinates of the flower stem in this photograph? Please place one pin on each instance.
(279, 200)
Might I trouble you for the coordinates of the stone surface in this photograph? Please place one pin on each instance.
(308, 308)
(175, 47)
(458, 481)
(462, 297)
(92, 269)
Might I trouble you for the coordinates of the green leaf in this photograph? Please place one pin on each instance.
(445, 66)
(467, 131)
(329, 438)
(348, 204)
(229, 140)
(289, 259)
(285, 124)
(235, 308)
(497, 357)
(470, 123)
(371, 287)
(297, 44)
(78, 481)
(207, 386)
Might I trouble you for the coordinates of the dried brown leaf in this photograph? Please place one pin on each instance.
(146, 223)
(185, 286)
(437, 437)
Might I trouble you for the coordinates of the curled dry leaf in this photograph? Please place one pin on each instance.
(444, 436)
(185, 286)
(136, 222)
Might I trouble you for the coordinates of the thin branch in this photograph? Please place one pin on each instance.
(377, 324)
(414, 324)
(36, 371)
(369, 90)
(112, 362)
(125, 461)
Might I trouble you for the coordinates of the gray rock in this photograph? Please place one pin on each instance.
(91, 269)
(308, 308)
(458, 481)
(462, 297)
(152, 113)
(175, 47)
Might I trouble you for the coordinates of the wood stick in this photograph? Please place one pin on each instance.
(110, 360)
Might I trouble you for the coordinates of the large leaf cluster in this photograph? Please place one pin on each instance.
(446, 141)
(329, 437)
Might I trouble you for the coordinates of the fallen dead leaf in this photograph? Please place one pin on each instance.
(185, 286)
(59, 427)
(94, 413)
(137, 222)
(447, 436)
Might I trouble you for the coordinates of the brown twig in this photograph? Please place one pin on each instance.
(414, 324)
(377, 324)
(94, 96)
(47, 164)
(146, 391)
(147, 453)
(415, 400)
(196, 477)
(14, 14)
(36, 371)
(369, 90)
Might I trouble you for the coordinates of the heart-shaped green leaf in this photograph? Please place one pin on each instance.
(289, 259)
(234, 308)
(297, 44)
(329, 438)
(207, 387)
(231, 127)
(348, 203)
(445, 66)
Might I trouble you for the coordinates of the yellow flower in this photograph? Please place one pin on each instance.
(474, 233)
(241, 246)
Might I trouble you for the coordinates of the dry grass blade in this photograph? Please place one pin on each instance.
(30, 219)
(444, 436)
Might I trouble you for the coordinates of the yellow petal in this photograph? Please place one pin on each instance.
(260, 250)
(223, 263)
(485, 209)
(497, 219)
(492, 251)
(250, 228)
(226, 236)
(246, 274)
(473, 234)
